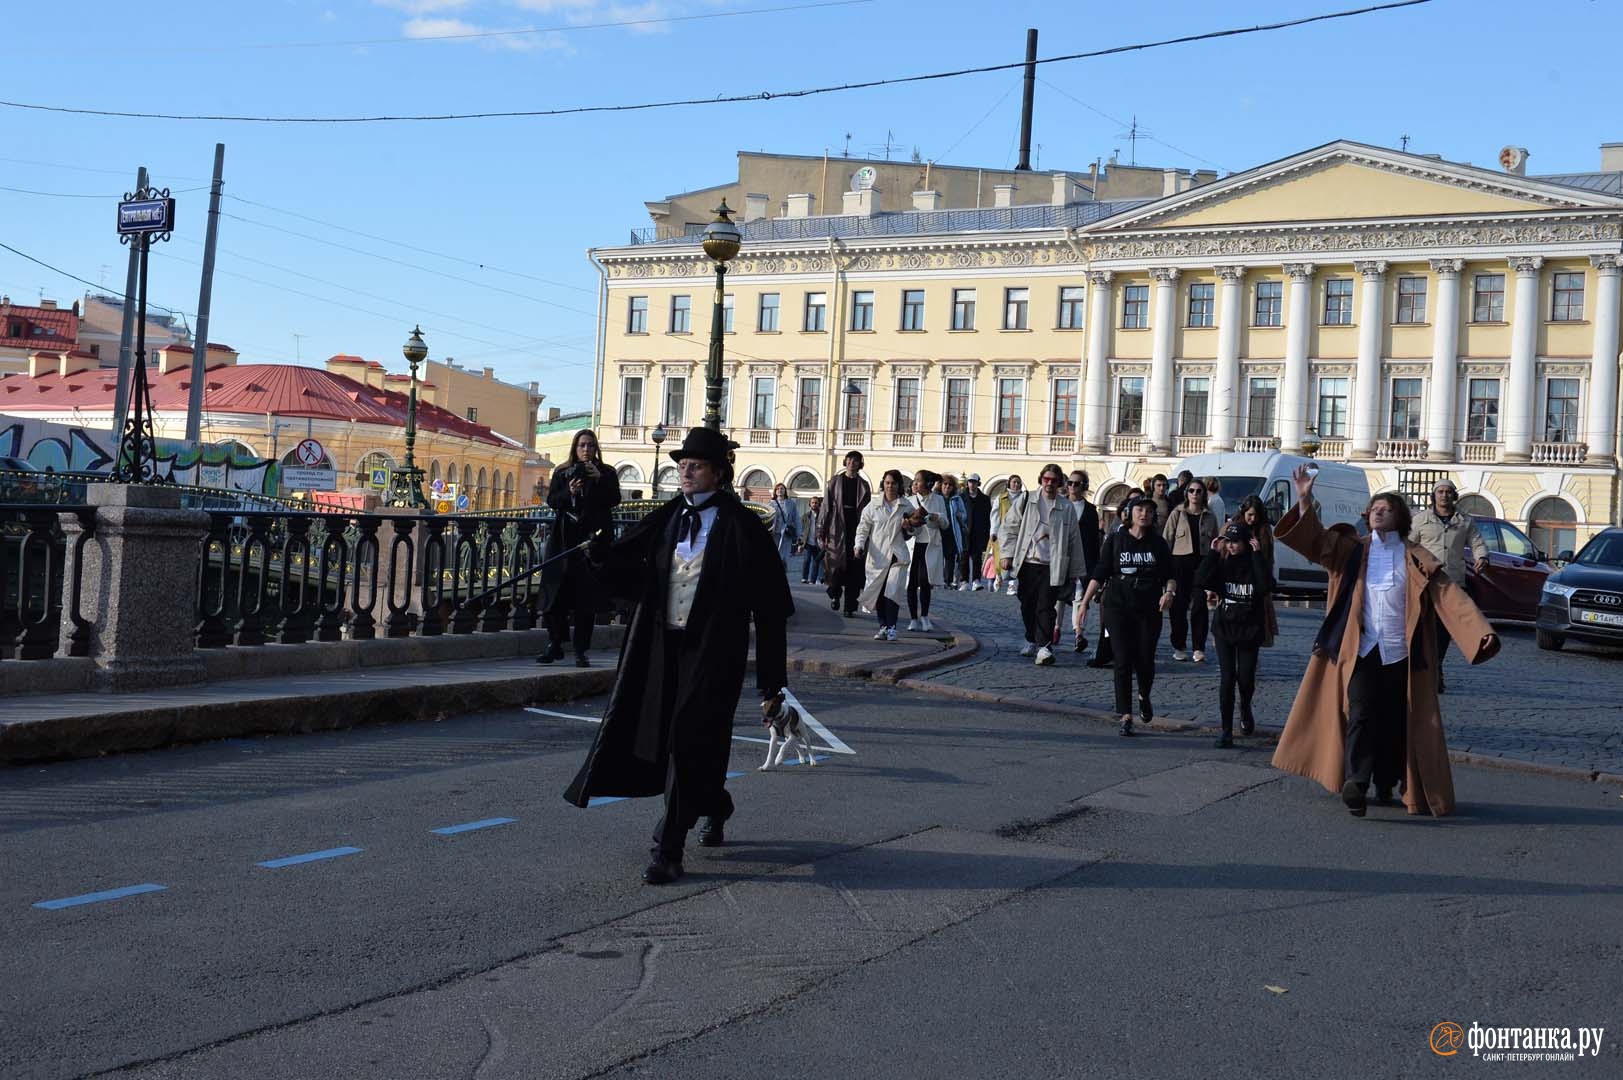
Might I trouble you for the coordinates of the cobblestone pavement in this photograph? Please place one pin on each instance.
(1551, 708)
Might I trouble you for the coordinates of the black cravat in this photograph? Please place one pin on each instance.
(689, 524)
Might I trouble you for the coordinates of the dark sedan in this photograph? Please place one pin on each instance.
(1510, 586)
(1584, 599)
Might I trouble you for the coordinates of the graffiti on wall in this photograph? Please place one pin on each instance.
(69, 448)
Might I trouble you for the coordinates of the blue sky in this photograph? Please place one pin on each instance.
(483, 225)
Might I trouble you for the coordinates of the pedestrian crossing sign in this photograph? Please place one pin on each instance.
(380, 478)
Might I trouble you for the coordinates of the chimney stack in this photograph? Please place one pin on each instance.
(1611, 157)
(800, 205)
(1003, 194)
(1068, 190)
(862, 203)
(927, 200)
(754, 207)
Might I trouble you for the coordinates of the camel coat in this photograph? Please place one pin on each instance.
(1313, 743)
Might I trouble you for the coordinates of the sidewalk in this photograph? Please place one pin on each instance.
(41, 727)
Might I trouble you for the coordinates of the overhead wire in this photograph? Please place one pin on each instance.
(1124, 123)
(723, 99)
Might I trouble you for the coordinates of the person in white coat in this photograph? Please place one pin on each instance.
(1042, 549)
(881, 543)
(928, 566)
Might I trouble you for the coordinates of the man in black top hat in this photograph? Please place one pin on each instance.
(700, 569)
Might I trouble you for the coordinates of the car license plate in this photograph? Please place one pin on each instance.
(1603, 618)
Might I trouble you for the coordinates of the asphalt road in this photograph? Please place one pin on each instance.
(973, 893)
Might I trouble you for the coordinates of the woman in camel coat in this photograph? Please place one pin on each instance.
(1313, 743)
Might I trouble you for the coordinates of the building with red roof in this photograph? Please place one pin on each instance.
(25, 328)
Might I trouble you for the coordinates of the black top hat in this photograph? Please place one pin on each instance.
(706, 445)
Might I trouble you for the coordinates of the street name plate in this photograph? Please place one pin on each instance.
(146, 216)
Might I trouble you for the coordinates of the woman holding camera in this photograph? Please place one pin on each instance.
(582, 495)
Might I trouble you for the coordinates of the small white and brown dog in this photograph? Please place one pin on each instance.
(784, 730)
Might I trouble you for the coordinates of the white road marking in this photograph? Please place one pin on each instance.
(834, 743)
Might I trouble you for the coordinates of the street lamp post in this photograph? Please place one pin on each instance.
(406, 489)
(721, 243)
(658, 435)
(1310, 442)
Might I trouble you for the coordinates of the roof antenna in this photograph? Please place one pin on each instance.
(847, 151)
(1404, 139)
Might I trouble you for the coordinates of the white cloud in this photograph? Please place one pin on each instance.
(462, 32)
(423, 7)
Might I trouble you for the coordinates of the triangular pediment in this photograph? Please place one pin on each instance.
(1348, 181)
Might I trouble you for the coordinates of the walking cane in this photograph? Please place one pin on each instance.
(526, 575)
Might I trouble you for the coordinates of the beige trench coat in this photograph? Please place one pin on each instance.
(888, 554)
(1314, 740)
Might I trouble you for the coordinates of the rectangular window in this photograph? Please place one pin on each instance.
(862, 311)
(1260, 405)
(856, 406)
(761, 401)
(1568, 305)
(1070, 307)
(1064, 407)
(631, 400)
(768, 320)
(1411, 300)
(1202, 304)
(912, 309)
(727, 314)
(1338, 302)
(1196, 395)
(1135, 308)
(907, 404)
(963, 309)
(1270, 304)
(473, 415)
(1405, 409)
(816, 312)
(810, 413)
(676, 399)
(637, 315)
(1482, 411)
(1016, 305)
(1488, 298)
(681, 314)
(1011, 395)
(1561, 412)
(1332, 413)
(957, 406)
(1130, 406)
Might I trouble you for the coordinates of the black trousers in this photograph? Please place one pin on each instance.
(1377, 721)
(695, 779)
(949, 558)
(575, 602)
(970, 562)
(887, 610)
(1037, 599)
(1189, 606)
(1238, 661)
(1132, 641)
(918, 583)
(847, 581)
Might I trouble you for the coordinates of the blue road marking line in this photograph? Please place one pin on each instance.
(604, 800)
(97, 897)
(452, 830)
(731, 775)
(815, 758)
(294, 860)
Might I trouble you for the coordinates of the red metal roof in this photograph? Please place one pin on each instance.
(256, 389)
(38, 327)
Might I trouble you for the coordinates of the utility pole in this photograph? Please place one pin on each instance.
(121, 403)
(200, 345)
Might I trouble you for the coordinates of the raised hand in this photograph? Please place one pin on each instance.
(1303, 477)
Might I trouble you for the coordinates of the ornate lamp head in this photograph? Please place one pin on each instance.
(721, 236)
(415, 350)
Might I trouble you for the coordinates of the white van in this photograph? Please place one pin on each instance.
(1342, 492)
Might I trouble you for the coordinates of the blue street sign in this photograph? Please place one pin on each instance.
(461, 502)
(146, 215)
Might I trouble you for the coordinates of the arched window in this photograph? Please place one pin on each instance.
(665, 481)
(629, 474)
(805, 483)
(507, 492)
(1476, 506)
(377, 459)
(481, 493)
(757, 484)
(231, 448)
(1112, 496)
(467, 482)
(1553, 526)
(433, 471)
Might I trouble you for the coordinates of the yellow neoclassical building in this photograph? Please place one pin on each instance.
(1407, 312)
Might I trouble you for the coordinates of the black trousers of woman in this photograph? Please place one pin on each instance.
(949, 559)
(918, 584)
(1189, 606)
(1132, 639)
(1377, 722)
(1238, 661)
(575, 602)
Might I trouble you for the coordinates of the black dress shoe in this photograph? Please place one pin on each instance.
(550, 653)
(711, 833)
(581, 660)
(1126, 729)
(1352, 795)
(1383, 796)
(661, 872)
(1081, 645)
(1145, 713)
(1224, 741)
(1248, 725)
(834, 605)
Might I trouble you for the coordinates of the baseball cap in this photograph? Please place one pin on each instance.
(1238, 532)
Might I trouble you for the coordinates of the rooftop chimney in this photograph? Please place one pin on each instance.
(1067, 190)
(48, 305)
(490, 373)
(1002, 194)
(800, 205)
(754, 207)
(927, 200)
(862, 203)
(1611, 157)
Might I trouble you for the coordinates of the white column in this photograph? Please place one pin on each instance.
(1298, 327)
(1366, 418)
(1225, 399)
(1445, 342)
(1602, 437)
(1159, 396)
(1521, 395)
(1096, 404)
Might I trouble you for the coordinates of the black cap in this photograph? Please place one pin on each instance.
(706, 445)
(1238, 532)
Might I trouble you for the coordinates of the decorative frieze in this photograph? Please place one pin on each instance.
(1565, 368)
(960, 369)
(1338, 239)
(912, 370)
(1064, 371)
(633, 368)
(1013, 369)
(1417, 370)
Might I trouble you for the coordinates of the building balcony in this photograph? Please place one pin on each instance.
(1130, 445)
(1478, 453)
(1007, 444)
(1332, 449)
(1255, 444)
(1190, 445)
(1400, 449)
(758, 437)
(808, 437)
(1060, 444)
(853, 440)
(955, 440)
(1560, 453)
(632, 433)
